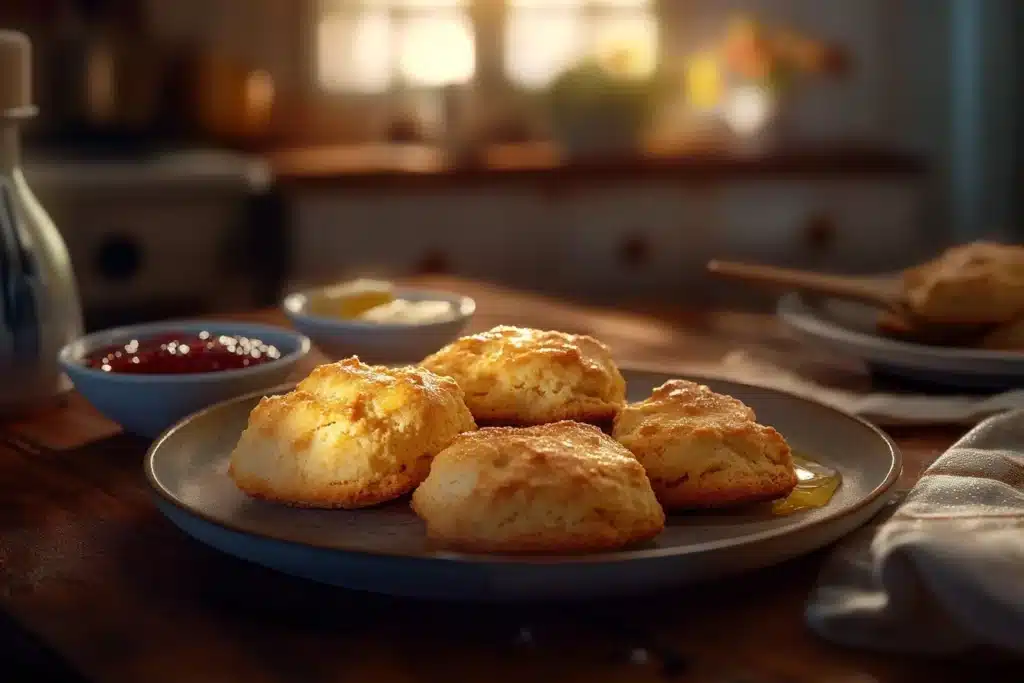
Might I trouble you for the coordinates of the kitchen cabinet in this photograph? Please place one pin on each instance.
(494, 235)
(841, 225)
(610, 238)
(630, 241)
(157, 237)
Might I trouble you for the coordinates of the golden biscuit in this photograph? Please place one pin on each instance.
(917, 331)
(894, 325)
(348, 436)
(561, 487)
(517, 376)
(703, 449)
(1007, 337)
(978, 283)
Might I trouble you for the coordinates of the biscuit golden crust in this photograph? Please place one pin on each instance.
(977, 283)
(350, 435)
(703, 449)
(561, 487)
(1006, 337)
(521, 376)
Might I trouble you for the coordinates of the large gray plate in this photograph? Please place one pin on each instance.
(850, 328)
(384, 549)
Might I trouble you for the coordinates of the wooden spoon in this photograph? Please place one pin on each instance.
(874, 291)
(884, 293)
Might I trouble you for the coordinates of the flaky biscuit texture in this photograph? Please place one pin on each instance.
(702, 449)
(561, 487)
(981, 282)
(522, 376)
(349, 435)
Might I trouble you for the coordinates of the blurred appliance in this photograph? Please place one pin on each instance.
(162, 236)
(106, 82)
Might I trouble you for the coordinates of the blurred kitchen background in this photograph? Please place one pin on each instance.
(206, 155)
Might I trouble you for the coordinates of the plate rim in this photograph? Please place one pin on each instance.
(603, 557)
(794, 310)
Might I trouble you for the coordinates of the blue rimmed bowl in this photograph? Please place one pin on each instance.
(148, 404)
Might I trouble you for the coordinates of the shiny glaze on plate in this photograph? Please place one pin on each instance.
(816, 485)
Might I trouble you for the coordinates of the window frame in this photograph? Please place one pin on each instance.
(341, 115)
(488, 19)
(399, 83)
(591, 13)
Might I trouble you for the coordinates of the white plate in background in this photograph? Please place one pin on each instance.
(850, 328)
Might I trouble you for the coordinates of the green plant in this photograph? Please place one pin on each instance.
(590, 89)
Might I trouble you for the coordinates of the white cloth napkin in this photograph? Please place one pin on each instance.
(945, 572)
(886, 409)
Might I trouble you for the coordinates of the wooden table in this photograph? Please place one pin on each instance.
(92, 576)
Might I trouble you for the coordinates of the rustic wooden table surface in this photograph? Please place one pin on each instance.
(95, 585)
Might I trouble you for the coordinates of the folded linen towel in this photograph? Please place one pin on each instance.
(945, 572)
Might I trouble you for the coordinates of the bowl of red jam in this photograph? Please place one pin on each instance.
(148, 377)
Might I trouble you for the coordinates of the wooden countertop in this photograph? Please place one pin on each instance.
(388, 166)
(105, 584)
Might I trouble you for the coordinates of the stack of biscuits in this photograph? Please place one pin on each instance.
(971, 295)
(512, 440)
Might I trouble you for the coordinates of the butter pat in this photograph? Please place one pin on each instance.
(410, 312)
(351, 299)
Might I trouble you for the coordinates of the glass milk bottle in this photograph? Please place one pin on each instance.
(39, 307)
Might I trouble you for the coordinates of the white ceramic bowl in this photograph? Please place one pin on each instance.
(377, 342)
(149, 404)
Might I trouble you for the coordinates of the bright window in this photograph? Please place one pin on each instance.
(367, 46)
(545, 37)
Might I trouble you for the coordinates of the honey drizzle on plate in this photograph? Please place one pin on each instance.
(815, 488)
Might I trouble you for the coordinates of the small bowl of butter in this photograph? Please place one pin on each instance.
(377, 321)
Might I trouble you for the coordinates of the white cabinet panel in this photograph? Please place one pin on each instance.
(495, 235)
(878, 225)
(762, 220)
(616, 241)
(341, 234)
(851, 225)
(168, 249)
(632, 240)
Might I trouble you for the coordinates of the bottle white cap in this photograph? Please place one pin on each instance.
(15, 74)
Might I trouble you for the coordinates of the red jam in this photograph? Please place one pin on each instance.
(180, 354)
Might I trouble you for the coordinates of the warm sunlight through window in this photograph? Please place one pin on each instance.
(545, 37)
(353, 52)
(436, 51)
(366, 46)
(540, 43)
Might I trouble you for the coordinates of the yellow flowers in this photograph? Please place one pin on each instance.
(748, 51)
(758, 53)
(704, 85)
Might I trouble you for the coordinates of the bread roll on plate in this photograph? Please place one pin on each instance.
(554, 488)
(518, 376)
(1007, 337)
(350, 435)
(981, 282)
(703, 449)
